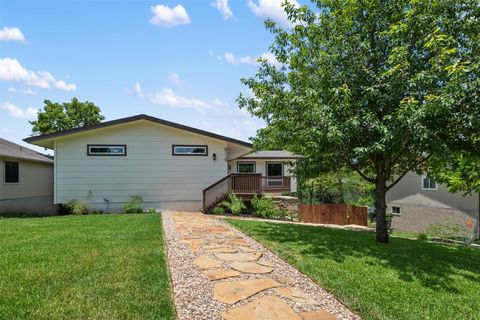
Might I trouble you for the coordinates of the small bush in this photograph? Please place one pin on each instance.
(389, 218)
(422, 236)
(218, 210)
(134, 205)
(74, 206)
(95, 211)
(234, 204)
(451, 231)
(264, 207)
(152, 210)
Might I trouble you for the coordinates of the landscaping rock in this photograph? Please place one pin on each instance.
(241, 256)
(318, 315)
(266, 308)
(204, 262)
(231, 292)
(216, 274)
(250, 267)
(295, 295)
(221, 250)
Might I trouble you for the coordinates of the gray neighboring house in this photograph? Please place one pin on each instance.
(417, 202)
(26, 180)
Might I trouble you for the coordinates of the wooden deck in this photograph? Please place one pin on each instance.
(245, 185)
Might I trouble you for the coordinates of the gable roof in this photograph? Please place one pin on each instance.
(271, 154)
(13, 150)
(107, 124)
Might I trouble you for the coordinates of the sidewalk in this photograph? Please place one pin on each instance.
(219, 273)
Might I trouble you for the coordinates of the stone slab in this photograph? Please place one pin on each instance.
(265, 308)
(295, 295)
(218, 274)
(250, 267)
(240, 256)
(318, 315)
(204, 262)
(234, 291)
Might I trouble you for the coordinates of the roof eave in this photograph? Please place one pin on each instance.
(49, 136)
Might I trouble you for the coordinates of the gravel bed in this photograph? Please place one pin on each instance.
(193, 292)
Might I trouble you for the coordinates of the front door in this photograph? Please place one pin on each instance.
(274, 174)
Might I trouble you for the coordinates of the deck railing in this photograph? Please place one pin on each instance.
(242, 183)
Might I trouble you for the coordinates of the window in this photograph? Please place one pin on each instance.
(11, 172)
(428, 183)
(246, 167)
(274, 172)
(107, 150)
(274, 169)
(189, 150)
(396, 211)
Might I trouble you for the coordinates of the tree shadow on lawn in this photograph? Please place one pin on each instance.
(434, 266)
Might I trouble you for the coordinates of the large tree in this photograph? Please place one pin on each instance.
(63, 116)
(377, 86)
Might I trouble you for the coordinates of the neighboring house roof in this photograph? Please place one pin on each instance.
(13, 150)
(271, 155)
(131, 119)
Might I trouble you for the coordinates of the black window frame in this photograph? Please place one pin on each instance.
(190, 154)
(430, 182)
(246, 162)
(17, 173)
(274, 162)
(90, 154)
(396, 213)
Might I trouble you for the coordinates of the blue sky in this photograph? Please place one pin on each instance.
(177, 60)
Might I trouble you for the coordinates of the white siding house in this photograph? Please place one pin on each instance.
(167, 164)
(148, 168)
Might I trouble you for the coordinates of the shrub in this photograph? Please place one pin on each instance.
(389, 218)
(234, 204)
(264, 207)
(152, 210)
(218, 210)
(95, 211)
(74, 206)
(134, 204)
(451, 231)
(422, 236)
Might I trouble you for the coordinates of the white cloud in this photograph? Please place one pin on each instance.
(272, 9)
(165, 16)
(138, 89)
(16, 112)
(30, 92)
(174, 78)
(224, 8)
(168, 98)
(11, 34)
(12, 70)
(230, 58)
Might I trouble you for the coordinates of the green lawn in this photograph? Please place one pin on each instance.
(408, 279)
(84, 267)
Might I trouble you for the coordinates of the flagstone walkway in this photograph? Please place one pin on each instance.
(220, 273)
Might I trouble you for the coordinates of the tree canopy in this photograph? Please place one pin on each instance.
(380, 87)
(63, 116)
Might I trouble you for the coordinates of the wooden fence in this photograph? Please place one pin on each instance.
(341, 214)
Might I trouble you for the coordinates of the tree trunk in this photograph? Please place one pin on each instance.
(381, 211)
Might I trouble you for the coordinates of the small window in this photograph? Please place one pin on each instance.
(246, 167)
(107, 150)
(428, 183)
(189, 150)
(11, 172)
(396, 211)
